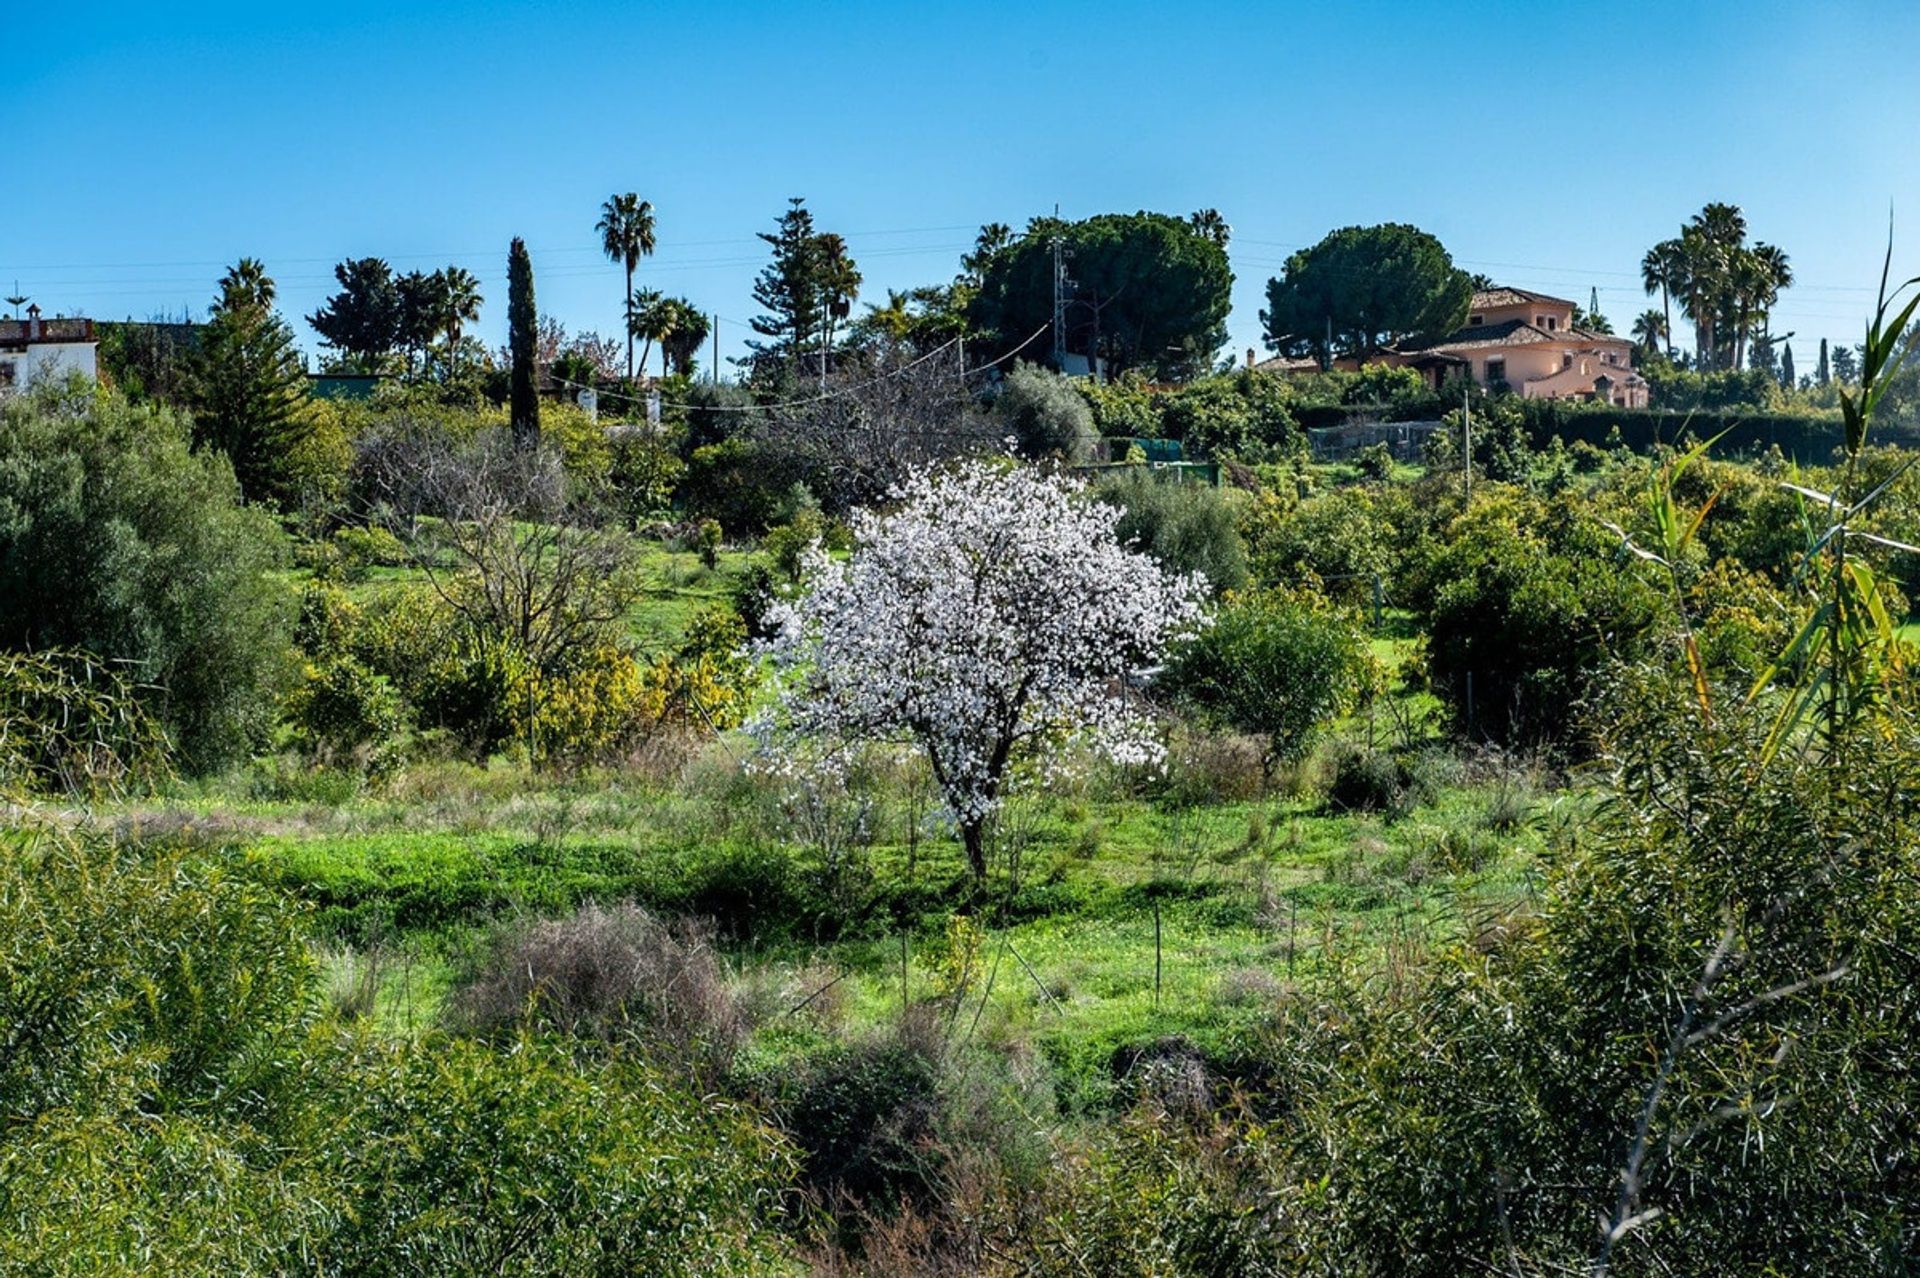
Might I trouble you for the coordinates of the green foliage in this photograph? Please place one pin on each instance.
(69, 724)
(1278, 663)
(1723, 957)
(1187, 527)
(708, 537)
(1150, 291)
(463, 1160)
(1375, 462)
(250, 402)
(345, 716)
(642, 474)
(170, 1105)
(523, 395)
(1244, 415)
(1368, 286)
(1684, 389)
(364, 320)
(1530, 609)
(1342, 540)
(1047, 417)
(117, 539)
(735, 483)
(136, 980)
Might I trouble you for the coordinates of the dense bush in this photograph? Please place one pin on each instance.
(1715, 1004)
(1528, 607)
(117, 539)
(170, 1102)
(1187, 527)
(1046, 416)
(456, 1158)
(1342, 541)
(1277, 663)
(618, 974)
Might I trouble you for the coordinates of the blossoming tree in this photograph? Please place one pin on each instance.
(989, 616)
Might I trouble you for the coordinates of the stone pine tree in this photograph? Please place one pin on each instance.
(1823, 371)
(250, 390)
(525, 403)
(1786, 366)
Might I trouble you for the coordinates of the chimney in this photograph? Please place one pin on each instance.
(33, 322)
(1250, 357)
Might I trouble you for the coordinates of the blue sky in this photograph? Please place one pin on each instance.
(1547, 145)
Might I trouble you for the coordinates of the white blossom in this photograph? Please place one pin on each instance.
(989, 616)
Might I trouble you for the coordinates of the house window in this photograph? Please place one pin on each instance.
(1566, 361)
(1475, 319)
(1553, 323)
(1496, 371)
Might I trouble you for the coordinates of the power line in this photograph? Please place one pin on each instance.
(838, 393)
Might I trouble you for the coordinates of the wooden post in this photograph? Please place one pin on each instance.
(1156, 952)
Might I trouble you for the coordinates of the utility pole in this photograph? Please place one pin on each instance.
(1466, 439)
(1059, 304)
(716, 350)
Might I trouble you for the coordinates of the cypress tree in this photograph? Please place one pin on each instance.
(1824, 372)
(1786, 367)
(525, 404)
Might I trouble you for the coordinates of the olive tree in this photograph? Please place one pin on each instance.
(990, 616)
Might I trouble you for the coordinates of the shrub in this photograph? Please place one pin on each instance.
(219, 964)
(1187, 527)
(1375, 462)
(1366, 780)
(1045, 414)
(865, 1118)
(1277, 663)
(1525, 619)
(69, 723)
(459, 1159)
(642, 474)
(612, 973)
(1727, 956)
(1342, 539)
(117, 539)
(706, 683)
(345, 716)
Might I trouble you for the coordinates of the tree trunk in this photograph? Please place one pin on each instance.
(629, 310)
(974, 836)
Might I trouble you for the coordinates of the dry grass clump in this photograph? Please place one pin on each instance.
(613, 973)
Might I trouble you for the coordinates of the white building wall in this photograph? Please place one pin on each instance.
(48, 361)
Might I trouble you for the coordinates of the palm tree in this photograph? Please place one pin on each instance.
(459, 305)
(246, 283)
(839, 286)
(895, 319)
(1767, 273)
(647, 320)
(626, 236)
(685, 329)
(1209, 223)
(1650, 330)
(1665, 268)
(1709, 273)
(993, 237)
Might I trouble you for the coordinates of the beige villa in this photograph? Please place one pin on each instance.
(1522, 340)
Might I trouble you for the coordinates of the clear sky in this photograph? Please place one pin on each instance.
(1546, 144)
